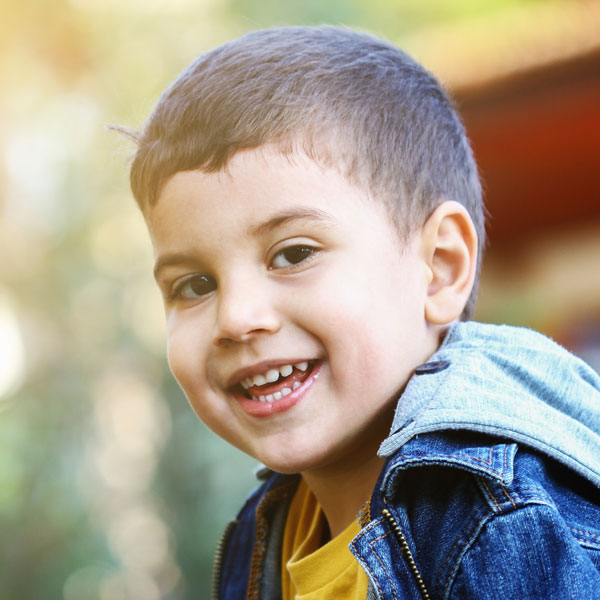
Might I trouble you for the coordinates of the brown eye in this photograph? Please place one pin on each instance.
(291, 256)
(195, 287)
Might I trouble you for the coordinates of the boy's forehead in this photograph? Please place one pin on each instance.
(297, 152)
(265, 170)
(263, 188)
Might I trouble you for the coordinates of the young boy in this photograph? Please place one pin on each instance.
(317, 221)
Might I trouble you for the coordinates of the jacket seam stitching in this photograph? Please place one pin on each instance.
(586, 541)
(372, 577)
(505, 491)
(381, 562)
(489, 493)
(370, 526)
(469, 541)
(527, 496)
(489, 461)
(584, 531)
(476, 518)
(453, 460)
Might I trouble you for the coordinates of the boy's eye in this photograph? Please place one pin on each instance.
(291, 256)
(194, 287)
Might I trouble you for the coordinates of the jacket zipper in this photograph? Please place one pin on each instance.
(408, 555)
(218, 561)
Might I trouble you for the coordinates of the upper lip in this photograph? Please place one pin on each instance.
(262, 367)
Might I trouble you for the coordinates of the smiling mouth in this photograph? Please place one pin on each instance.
(275, 383)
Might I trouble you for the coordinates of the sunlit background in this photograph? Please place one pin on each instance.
(110, 488)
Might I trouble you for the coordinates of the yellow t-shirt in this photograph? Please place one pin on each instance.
(310, 570)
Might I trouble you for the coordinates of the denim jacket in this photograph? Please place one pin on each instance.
(490, 488)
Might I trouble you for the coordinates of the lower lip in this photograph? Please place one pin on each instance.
(256, 408)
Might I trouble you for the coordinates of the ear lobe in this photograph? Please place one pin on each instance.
(450, 250)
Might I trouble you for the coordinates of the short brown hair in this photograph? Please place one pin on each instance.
(346, 99)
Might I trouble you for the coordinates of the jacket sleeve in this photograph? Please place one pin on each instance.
(529, 553)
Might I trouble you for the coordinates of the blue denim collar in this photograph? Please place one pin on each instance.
(508, 382)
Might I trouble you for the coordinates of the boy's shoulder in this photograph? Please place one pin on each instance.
(481, 517)
(508, 382)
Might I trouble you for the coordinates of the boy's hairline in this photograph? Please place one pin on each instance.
(292, 149)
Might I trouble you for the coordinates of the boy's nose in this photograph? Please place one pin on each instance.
(241, 315)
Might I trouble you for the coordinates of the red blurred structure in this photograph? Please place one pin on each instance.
(536, 136)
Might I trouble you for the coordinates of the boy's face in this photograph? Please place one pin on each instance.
(282, 270)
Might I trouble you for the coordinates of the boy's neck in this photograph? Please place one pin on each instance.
(342, 488)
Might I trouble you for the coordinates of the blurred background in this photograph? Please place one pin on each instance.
(110, 488)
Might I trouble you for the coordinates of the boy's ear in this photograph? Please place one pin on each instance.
(449, 246)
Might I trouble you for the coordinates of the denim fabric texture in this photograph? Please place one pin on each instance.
(490, 489)
(511, 382)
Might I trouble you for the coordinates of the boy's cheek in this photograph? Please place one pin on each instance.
(181, 355)
(179, 373)
(190, 377)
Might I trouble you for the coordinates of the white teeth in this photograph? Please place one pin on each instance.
(286, 370)
(272, 375)
(296, 385)
(259, 380)
(272, 397)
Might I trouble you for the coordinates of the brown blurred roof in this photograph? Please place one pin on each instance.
(528, 87)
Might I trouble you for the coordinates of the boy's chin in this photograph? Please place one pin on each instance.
(287, 465)
(285, 470)
(284, 467)
(303, 462)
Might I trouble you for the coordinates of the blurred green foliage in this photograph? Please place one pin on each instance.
(109, 486)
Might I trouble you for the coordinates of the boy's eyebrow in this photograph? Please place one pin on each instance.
(166, 260)
(293, 214)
